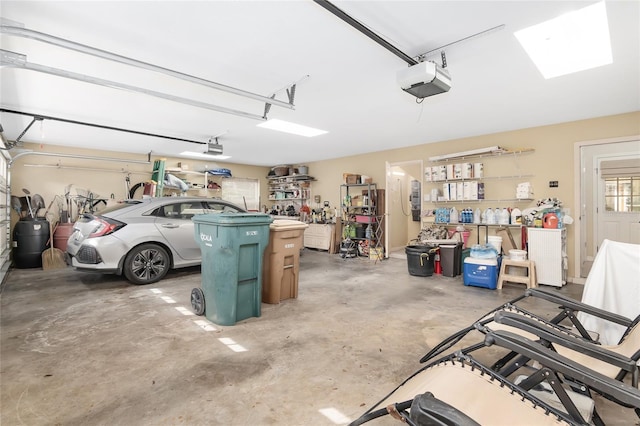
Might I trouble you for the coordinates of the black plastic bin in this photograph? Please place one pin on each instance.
(30, 237)
(420, 259)
(450, 259)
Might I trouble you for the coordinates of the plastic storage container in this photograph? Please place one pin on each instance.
(496, 242)
(30, 238)
(280, 272)
(420, 259)
(232, 246)
(61, 235)
(450, 255)
(481, 272)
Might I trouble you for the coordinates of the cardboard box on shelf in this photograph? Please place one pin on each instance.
(351, 179)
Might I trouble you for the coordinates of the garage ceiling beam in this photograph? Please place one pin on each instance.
(17, 29)
(99, 126)
(18, 60)
(364, 30)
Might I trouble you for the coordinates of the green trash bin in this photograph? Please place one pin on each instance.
(232, 246)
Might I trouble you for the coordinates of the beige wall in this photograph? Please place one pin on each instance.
(552, 160)
(49, 175)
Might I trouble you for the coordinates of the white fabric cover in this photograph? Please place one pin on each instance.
(613, 284)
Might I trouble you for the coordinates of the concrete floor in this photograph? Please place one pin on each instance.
(79, 349)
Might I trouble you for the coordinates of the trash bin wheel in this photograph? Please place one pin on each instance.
(197, 301)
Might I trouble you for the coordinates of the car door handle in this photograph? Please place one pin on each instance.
(170, 225)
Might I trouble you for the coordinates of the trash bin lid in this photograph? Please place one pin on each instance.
(233, 218)
(286, 224)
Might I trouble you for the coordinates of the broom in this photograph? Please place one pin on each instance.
(53, 258)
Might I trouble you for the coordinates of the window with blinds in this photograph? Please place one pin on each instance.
(622, 185)
(622, 194)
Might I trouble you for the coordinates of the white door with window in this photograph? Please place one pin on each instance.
(618, 201)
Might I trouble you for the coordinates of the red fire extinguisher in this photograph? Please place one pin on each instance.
(437, 269)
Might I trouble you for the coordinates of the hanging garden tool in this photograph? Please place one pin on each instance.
(26, 191)
(52, 258)
(16, 204)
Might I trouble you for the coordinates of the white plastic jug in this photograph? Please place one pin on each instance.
(490, 216)
(516, 216)
(504, 217)
(477, 216)
(453, 216)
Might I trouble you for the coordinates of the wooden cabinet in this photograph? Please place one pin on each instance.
(319, 236)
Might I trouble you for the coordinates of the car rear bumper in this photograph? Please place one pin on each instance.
(108, 258)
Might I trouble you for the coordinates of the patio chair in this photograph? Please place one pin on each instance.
(459, 390)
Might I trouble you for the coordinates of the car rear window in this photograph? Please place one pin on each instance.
(118, 206)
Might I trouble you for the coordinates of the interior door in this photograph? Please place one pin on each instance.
(594, 222)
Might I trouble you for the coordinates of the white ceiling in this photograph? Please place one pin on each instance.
(346, 83)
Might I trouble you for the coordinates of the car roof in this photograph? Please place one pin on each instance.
(152, 203)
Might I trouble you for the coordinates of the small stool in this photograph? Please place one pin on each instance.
(530, 279)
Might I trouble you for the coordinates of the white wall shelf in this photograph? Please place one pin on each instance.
(501, 200)
(482, 178)
(488, 154)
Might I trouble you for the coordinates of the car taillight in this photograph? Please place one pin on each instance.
(105, 226)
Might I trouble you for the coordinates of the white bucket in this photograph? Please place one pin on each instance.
(518, 254)
(496, 242)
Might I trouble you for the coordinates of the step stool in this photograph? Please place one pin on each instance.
(530, 279)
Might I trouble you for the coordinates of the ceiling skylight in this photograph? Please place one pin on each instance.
(288, 127)
(573, 42)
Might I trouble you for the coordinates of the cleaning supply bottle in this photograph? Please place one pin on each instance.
(453, 216)
(368, 233)
(477, 216)
(504, 216)
(491, 218)
(516, 216)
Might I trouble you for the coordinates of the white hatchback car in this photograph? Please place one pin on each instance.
(142, 239)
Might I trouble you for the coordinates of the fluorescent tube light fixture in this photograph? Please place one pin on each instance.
(573, 42)
(288, 127)
(204, 155)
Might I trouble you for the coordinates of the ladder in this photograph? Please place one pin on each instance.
(158, 176)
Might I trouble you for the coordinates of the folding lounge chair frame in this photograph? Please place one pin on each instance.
(427, 409)
(568, 307)
(554, 368)
(550, 335)
(571, 307)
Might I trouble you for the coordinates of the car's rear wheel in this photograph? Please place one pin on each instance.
(146, 264)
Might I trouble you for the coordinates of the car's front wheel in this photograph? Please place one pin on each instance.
(146, 264)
